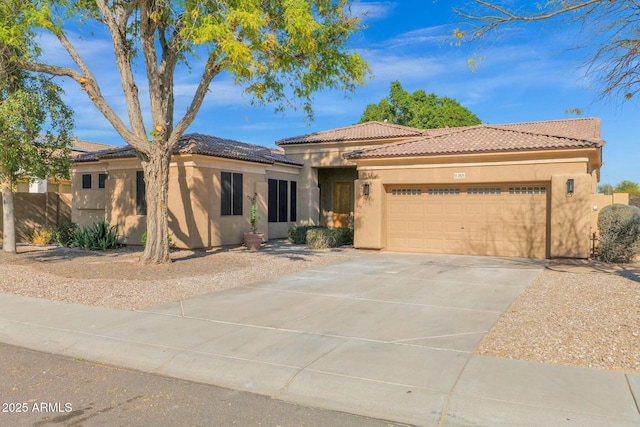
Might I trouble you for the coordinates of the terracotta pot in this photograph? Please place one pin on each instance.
(253, 240)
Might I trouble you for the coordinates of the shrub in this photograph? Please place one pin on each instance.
(324, 238)
(143, 239)
(345, 235)
(64, 233)
(41, 236)
(97, 237)
(619, 227)
(298, 233)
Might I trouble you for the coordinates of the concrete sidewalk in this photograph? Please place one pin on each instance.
(386, 335)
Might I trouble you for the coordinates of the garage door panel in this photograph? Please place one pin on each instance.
(452, 246)
(414, 243)
(396, 226)
(474, 209)
(396, 210)
(456, 209)
(499, 220)
(416, 227)
(413, 210)
(433, 245)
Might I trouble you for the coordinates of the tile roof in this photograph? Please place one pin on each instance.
(196, 143)
(80, 146)
(482, 139)
(583, 128)
(362, 131)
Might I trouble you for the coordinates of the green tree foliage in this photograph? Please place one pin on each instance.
(608, 33)
(622, 187)
(281, 52)
(419, 110)
(35, 127)
(627, 187)
(605, 189)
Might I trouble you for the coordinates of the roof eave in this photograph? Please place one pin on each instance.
(465, 153)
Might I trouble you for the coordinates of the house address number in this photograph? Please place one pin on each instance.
(458, 175)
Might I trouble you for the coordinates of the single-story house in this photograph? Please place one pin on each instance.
(210, 182)
(522, 190)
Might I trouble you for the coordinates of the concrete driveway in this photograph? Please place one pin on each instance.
(386, 335)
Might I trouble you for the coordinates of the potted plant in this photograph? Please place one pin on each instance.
(253, 239)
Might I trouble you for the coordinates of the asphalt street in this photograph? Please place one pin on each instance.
(41, 389)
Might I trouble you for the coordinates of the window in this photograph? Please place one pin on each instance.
(528, 190)
(86, 180)
(484, 191)
(293, 215)
(406, 192)
(102, 178)
(282, 203)
(283, 186)
(444, 191)
(273, 200)
(231, 193)
(141, 203)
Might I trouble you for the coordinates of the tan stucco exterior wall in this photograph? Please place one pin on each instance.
(569, 217)
(321, 155)
(87, 205)
(195, 220)
(370, 215)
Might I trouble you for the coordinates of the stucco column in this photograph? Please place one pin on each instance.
(308, 196)
(369, 215)
(570, 216)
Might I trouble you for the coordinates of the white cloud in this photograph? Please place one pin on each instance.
(387, 66)
(92, 50)
(428, 35)
(369, 11)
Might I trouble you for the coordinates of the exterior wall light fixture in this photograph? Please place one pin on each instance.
(365, 190)
(570, 186)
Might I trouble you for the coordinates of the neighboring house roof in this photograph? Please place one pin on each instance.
(79, 146)
(362, 131)
(196, 143)
(484, 139)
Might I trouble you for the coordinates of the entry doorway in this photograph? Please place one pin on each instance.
(342, 202)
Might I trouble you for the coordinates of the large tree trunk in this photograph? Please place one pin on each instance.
(156, 177)
(8, 221)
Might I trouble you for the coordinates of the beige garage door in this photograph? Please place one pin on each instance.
(496, 220)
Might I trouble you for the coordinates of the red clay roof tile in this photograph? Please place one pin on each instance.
(362, 131)
(493, 138)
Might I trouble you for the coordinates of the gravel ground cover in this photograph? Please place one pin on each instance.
(576, 312)
(115, 279)
(579, 313)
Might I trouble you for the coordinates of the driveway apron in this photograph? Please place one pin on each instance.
(384, 335)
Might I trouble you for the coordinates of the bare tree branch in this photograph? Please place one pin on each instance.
(89, 84)
(123, 61)
(609, 31)
(148, 27)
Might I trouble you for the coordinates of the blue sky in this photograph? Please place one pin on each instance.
(526, 76)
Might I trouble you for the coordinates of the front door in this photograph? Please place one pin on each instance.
(342, 201)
